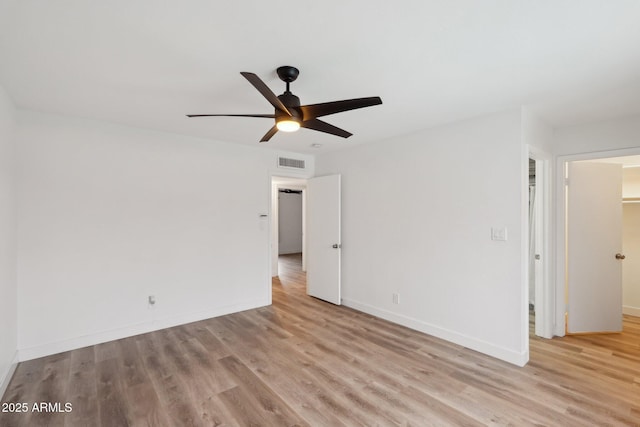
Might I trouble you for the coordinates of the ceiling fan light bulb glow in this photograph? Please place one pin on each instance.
(288, 125)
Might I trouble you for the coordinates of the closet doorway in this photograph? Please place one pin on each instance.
(610, 288)
(288, 206)
(539, 296)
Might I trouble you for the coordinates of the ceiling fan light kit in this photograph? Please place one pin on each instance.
(289, 115)
(287, 125)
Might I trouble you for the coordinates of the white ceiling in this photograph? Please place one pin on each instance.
(146, 63)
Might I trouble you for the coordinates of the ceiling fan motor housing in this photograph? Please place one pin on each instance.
(287, 73)
(292, 103)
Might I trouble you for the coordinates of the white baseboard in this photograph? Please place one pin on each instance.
(510, 356)
(4, 381)
(631, 311)
(131, 330)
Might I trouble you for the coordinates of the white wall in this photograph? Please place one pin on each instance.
(536, 133)
(109, 215)
(631, 182)
(417, 218)
(290, 223)
(8, 287)
(600, 136)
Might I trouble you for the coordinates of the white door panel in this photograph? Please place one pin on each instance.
(594, 236)
(323, 238)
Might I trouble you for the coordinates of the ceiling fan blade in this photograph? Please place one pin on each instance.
(325, 127)
(318, 110)
(267, 136)
(265, 91)
(266, 116)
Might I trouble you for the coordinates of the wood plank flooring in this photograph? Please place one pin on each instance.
(303, 362)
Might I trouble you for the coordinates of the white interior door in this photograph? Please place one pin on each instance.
(594, 237)
(323, 238)
(538, 248)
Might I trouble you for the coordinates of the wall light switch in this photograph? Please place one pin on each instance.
(499, 233)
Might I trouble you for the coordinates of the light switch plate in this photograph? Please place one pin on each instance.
(499, 233)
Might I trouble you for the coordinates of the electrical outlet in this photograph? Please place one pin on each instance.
(396, 298)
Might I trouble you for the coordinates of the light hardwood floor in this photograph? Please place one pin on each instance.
(305, 362)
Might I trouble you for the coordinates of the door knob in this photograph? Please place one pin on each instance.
(620, 256)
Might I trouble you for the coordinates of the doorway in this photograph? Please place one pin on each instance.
(534, 255)
(288, 220)
(539, 295)
(290, 232)
(628, 281)
(321, 243)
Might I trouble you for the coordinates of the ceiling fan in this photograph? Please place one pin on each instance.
(290, 115)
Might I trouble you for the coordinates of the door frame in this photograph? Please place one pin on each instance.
(561, 226)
